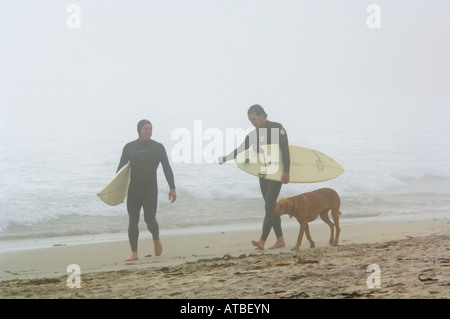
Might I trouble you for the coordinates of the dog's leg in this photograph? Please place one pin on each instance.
(300, 236)
(326, 219)
(335, 214)
(308, 236)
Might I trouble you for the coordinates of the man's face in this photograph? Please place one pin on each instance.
(258, 121)
(146, 132)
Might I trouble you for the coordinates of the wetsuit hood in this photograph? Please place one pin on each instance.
(141, 124)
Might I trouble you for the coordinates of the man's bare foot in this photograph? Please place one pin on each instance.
(134, 256)
(279, 243)
(158, 247)
(259, 244)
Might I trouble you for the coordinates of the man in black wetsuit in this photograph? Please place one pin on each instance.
(144, 156)
(266, 132)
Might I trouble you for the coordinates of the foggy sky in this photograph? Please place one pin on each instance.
(197, 56)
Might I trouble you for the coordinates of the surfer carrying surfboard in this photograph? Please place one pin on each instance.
(144, 155)
(266, 132)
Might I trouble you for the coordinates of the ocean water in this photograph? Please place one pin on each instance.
(374, 99)
(396, 168)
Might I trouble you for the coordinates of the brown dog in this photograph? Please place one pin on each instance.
(306, 207)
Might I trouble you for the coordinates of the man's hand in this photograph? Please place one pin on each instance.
(172, 195)
(285, 178)
(222, 159)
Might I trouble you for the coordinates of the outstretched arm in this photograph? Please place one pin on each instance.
(244, 146)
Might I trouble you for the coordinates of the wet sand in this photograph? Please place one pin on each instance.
(399, 260)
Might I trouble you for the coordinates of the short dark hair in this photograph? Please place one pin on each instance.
(257, 109)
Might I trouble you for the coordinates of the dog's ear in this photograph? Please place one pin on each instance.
(289, 207)
(280, 207)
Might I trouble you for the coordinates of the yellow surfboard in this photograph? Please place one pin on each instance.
(307, 165)
(116, 190)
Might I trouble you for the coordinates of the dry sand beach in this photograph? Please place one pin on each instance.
(413, 260)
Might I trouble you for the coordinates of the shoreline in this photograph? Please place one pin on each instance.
(10, 245)
(363, 244)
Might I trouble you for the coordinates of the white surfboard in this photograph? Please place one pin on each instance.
(307, 165)
(116, 190)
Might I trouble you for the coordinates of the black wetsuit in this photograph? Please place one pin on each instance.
(144, 158)
(270, 133)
